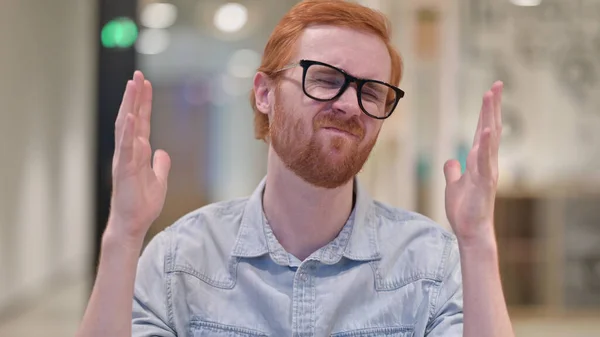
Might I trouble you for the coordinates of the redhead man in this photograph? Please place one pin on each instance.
(309, 253)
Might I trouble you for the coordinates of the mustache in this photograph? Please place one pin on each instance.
(352, 125)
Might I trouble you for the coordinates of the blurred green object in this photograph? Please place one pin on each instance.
(463, 153)
(119, 33)
(423, 167)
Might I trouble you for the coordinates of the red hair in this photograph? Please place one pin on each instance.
(282, 42)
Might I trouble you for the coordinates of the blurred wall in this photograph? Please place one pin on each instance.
(46, 151)
(547, 56)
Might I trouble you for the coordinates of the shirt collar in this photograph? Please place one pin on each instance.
(251, 238)
(358, 239)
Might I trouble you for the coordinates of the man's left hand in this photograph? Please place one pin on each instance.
(470, 196)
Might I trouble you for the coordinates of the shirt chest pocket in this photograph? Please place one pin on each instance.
(400, 331)
(199, 328)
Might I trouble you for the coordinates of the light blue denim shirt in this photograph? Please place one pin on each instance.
(220, 271)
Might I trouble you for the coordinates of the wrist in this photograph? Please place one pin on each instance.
(115, 237)
(482, 256)
(481, 242)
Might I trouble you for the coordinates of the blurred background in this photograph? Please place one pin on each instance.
(63, 69)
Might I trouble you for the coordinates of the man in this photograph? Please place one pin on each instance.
(309, 253)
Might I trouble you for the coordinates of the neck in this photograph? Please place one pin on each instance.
(303, 217)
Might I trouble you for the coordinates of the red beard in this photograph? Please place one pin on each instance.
(328, 162)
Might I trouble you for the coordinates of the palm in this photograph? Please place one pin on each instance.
(139, 188)
(470, 196)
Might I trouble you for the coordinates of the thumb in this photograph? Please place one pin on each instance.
(452, 171)
(161, 165)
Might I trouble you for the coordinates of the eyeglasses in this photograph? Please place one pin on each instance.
(323, 82)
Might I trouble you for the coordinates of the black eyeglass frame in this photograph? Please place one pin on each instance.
(348, 79)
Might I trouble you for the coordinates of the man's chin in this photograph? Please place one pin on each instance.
(330, 170)
(336, 160)
(340, 162)
(328, 178)
(339, 147)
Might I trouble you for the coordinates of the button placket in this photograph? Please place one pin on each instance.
(304, 316)
(306, 270)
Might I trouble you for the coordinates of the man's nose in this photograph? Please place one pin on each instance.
(347, 103)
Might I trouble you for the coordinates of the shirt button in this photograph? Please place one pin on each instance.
(303, 276)
(312, 267)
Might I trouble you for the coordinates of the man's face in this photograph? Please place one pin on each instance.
(327, 143)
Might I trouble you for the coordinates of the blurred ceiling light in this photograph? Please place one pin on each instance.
(243, 63)
(526, 3)
(158, 15)
(119, 33)
(231, 17)
(152, 41)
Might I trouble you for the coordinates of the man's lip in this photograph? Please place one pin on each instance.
(340, 130)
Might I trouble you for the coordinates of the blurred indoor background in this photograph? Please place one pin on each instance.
(63, 69)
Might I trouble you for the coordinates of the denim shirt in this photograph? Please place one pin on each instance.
(220, 271)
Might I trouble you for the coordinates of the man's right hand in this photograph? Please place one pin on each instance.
(138, 188)
(139, 191)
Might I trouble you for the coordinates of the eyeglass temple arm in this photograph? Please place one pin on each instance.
(289, 66)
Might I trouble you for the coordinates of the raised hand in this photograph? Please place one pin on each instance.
(470, 196)
(139, 188)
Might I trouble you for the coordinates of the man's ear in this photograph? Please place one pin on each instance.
(262, 92)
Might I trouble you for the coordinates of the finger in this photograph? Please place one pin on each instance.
(478, 130)
(161, 165)
(497, 89)
(479, 124)
(488, 121)
(125, 146)
(484, 155)
(138, 78)
(145, 112)
(472, 158)
(142, 154)
(125, 108)
(452, 171)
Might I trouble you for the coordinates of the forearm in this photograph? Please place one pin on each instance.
(485, 311)
(109, 310)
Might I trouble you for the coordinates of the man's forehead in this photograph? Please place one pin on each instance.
(360, 54)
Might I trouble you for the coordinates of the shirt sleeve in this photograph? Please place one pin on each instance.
(152, 311)
(447, 310)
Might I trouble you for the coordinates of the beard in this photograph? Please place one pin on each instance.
(328, 161)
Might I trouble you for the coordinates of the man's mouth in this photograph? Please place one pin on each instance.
(340, 131)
